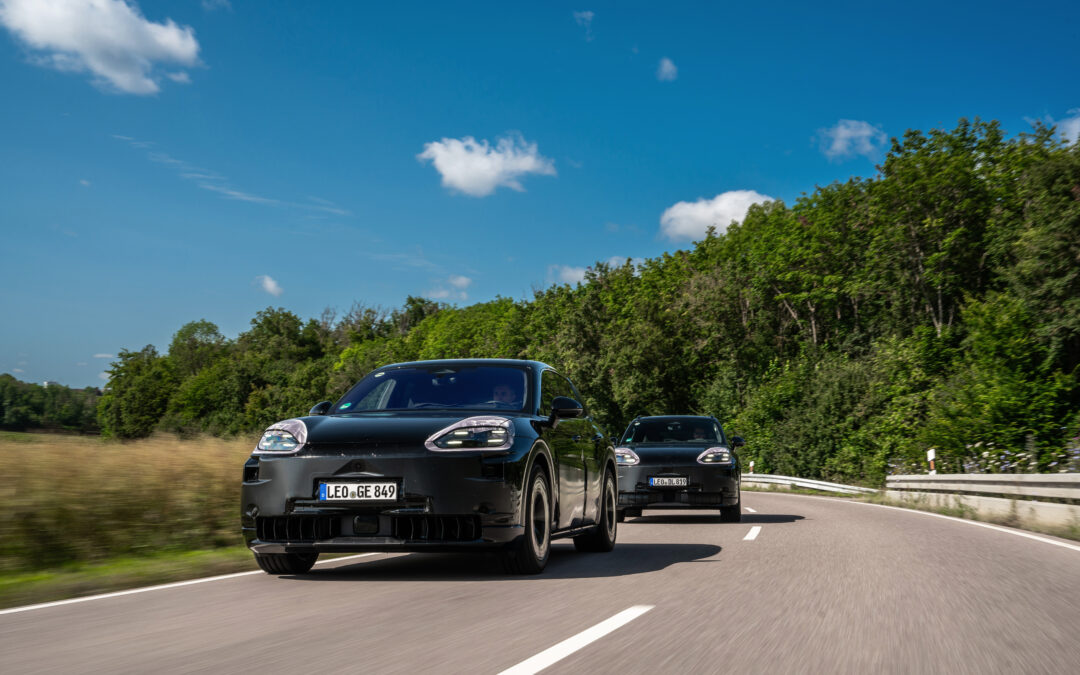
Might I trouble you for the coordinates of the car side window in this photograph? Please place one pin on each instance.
(572, 392)
(553, 384)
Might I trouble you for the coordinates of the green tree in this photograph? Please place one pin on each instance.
(137, 394)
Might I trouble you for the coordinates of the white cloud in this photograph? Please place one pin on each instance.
(103, 376)
(666, 71)
(457, 282)
(17, 370)
(268, 284)
(1068, 128)
(565, 274)
(620, 260)
(109, 38)
(584, 19)
(689, 220)
(238, 195)
(83, 182)
(215, 182)
(475, 168)
(852, 137)
(211, 5)
(180, 76)
(104, 356)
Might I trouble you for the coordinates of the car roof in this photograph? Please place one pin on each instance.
(674, 417)
(517, 363)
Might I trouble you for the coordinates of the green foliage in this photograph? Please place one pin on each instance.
(1003, 393)
(138, 392)
(936, 304)
(25, 405)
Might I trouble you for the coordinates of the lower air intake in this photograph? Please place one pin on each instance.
(435, 528)
(297, 528)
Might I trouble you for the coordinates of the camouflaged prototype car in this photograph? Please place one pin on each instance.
(678, 460)
(434, 456)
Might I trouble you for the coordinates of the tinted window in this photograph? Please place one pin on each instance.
(669, 430)
(477, 387)
(551, 385)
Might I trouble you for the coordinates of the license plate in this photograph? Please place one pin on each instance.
(364, 492)
(667, 481)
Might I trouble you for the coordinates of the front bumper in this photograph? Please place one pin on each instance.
(707, 486)
(445, 502)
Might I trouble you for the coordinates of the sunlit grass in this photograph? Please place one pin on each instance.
(70, 499)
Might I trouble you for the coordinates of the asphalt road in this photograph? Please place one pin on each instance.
(823, 586)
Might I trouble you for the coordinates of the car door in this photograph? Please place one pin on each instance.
(566, 444)
(595, 445)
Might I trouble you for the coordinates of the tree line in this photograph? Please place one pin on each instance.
(26, 405)
(933, 305)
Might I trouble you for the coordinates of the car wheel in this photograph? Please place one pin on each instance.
(731, 514)
(286, 563)
(602, 538)
(529, 554)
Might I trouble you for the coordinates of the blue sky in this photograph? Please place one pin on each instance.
(165, 162)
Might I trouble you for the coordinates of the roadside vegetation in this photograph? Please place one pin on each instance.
(69, 500)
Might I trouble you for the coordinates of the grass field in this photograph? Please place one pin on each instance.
(71, 500)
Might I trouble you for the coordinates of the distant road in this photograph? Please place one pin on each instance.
(802, 585)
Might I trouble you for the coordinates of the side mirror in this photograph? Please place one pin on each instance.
(564, 408)
(321, 408)
(737, 441)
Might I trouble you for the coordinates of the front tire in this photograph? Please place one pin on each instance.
(602, 538)
(286, 563)
(529, 554)
(731, 514)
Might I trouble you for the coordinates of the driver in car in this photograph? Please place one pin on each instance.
(505, 394)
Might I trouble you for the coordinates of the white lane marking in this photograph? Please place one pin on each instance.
(570, 645)
(976, 523)
(160, 587)
(752, 534)
(749, 510)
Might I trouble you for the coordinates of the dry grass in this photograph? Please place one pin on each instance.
(68, 499)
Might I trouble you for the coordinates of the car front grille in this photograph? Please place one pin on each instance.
(435, 528)
(297, 528)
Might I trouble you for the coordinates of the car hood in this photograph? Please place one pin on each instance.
(671, 453)
(386, 430)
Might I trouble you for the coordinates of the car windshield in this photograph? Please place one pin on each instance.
(418, 387)
(686, 430)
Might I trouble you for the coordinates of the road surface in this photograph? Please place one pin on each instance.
(802, 585)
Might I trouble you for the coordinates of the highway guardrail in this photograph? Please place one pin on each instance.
(1013, 485)
(788, 482)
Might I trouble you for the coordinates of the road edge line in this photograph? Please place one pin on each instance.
(158, 587)
(976, 523)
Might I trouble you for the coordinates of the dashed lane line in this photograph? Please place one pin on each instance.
(752, 534)
(570, 645)
(160, 587)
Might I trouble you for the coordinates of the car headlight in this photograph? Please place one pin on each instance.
(626, 457)
(715, 456)
(473, 433)
(282, 438)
